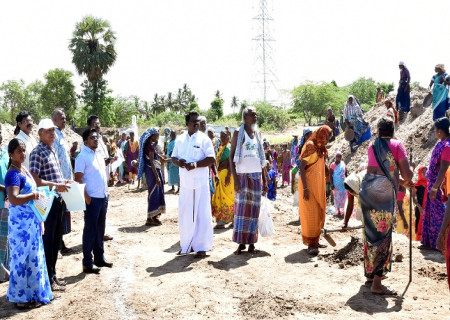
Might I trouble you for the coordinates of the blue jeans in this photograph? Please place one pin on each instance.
(94, 230)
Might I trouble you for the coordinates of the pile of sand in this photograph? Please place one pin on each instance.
(416, 132)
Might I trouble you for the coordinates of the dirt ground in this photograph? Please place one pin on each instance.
(148, 280)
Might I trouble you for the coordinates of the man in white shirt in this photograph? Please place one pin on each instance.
(93, 122)
(23, 133)
(90, 169)
(194, 153)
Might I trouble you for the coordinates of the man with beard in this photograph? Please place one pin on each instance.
(90, 170)
(248, 166)
(194, 153)
(46, 171)
(23, 133)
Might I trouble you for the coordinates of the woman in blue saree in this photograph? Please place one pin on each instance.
(29, 285)
(150, 164)
(440, 92)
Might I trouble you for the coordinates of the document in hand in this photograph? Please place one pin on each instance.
(74, 198)
(41, 207)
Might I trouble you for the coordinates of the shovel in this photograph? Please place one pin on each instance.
(330, 240)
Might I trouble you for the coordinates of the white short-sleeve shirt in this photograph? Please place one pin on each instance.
(92, 165)
(193, 149)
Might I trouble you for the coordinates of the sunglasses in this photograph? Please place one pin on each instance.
(94, 137)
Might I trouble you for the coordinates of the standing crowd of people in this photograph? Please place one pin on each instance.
(222, 179)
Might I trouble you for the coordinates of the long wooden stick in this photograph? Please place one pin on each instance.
(410, 222)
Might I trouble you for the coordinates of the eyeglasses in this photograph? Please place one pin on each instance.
(94, 137)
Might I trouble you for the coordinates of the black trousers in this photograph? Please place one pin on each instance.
(53, 236)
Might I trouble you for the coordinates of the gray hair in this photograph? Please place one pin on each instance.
(56, 112)
(246, 110)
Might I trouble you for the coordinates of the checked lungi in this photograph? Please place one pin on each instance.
(246, 209)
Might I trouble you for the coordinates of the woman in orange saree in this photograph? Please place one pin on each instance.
(311, 187)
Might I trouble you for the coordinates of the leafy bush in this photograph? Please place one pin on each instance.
(271, 117)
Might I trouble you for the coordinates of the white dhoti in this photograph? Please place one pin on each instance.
(195, 219)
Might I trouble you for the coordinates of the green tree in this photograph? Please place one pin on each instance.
(217, 107)
(33, 101)
(58, 91)
(365, 90)
(156, 105)
(271, 117)
(386, 87)
(126, 107)
(234, 103)
(98, 100)
(13, 97)
(93, 53)
(312, 99)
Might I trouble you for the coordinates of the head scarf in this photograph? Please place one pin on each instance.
(305, 132)
(354, 103)
(317, 143)
(338, 154)
(147, 134)
(401, 63)
(421, 180)
(441, 67)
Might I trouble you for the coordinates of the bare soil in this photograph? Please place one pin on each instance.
(149, 281)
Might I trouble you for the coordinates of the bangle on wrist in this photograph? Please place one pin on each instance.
(434, 189)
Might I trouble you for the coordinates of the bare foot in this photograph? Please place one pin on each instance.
(239, 249)
(383, 290)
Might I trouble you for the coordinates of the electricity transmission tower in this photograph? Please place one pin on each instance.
(264, 75)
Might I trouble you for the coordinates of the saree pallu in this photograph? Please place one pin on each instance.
(434, 210)
(377, 199)
(312, 211)
(4, 250)
(156, 201)
(222, 204)
(246, 209)
(362, 131)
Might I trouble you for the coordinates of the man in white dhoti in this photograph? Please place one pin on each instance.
(194, 153)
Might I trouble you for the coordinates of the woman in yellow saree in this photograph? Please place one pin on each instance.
(311, 188)
(223, 200)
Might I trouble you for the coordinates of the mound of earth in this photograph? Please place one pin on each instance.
(416, 132)
(435, 273)
(350, 255)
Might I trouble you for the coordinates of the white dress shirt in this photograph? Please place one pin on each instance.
(92, 165)
(30, 143)
(193, 149)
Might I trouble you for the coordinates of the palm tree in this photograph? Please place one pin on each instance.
(234, 103)
(218, 94)
(170, 104)
(92, 47)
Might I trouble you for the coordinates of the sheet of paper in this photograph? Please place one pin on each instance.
(118, 162)
(74, 198)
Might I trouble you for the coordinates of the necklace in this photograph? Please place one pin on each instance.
(16, 167)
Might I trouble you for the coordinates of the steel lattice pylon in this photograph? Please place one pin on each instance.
(264, 76)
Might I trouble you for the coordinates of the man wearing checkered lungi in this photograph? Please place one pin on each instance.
(248, 166)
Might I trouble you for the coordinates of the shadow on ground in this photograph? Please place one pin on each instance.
(433, 255)
(367, 302)
(236, 261)
(134, 229)
(176, 265)
(301, 256)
